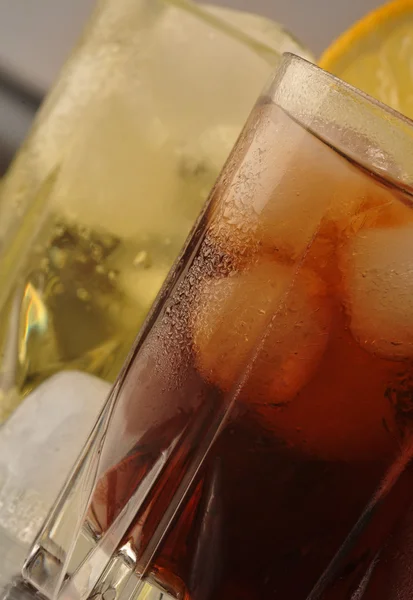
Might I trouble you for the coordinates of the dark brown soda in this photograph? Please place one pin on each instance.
(294, 500)
(280, 517)
(265, 519)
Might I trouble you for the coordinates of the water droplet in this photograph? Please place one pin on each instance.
(97, 252)
(44, 264)
(142, 259)
(85, 232)
(58, 257)
(59, 230)
(83, 294)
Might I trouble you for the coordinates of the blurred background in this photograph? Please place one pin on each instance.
(35, 38)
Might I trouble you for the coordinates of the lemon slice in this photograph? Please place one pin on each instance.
(376, 55)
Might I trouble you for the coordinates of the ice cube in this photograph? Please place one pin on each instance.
(381, 208)
(286, 186)
(160, 96)
(344, 412)
(266, 328)
(209, 152)
(136, 198)
(39, 445)
(377, 267)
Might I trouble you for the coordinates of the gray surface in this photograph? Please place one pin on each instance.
(314, 22)
(16, 115)
(36, 35)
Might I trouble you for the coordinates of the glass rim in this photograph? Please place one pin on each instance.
(357, 91)
(212, 15)
(306, 92)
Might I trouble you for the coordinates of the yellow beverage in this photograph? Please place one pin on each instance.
(99, 201)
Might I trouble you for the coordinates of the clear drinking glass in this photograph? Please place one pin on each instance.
(101, 197)
(257, 443)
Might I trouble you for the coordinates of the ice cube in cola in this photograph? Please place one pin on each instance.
(285, 326)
